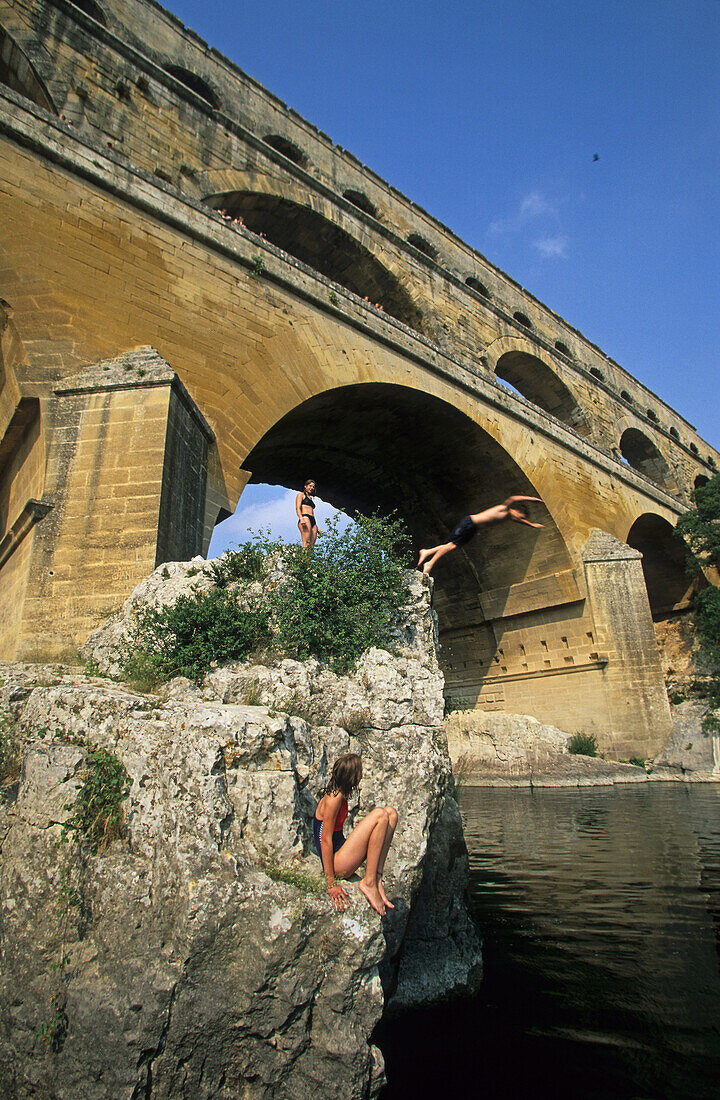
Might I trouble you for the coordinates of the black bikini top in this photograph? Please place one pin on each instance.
(309, 501)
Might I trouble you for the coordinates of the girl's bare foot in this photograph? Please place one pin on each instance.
(373, 895)
(424, 555)
(426, 568)
(384, 896)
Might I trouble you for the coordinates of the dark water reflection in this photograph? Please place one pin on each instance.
(600, 911)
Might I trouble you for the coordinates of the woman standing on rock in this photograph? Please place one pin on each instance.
(369, 842)
(305, 508)
(513, 508)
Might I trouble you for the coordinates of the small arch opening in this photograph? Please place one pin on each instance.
(422, 245)
(694, 448)
(596, 373)
(563, 348)
(322, 245)
(92, 9)
(538, 383)
(357, 198)
(522, 319)
(642, 454)
(478, 287)
(195, 83)
(18, 73)
(700, 480)
(674, 433)
(626, 396)
(711, 460)
(288, 149)
(652, 415)
(668, 584)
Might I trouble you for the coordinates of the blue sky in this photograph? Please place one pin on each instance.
(489, 115)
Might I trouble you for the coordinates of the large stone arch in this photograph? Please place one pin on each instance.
(640, 452)
(316, 240)
(379, 446)
(517, 362)
(668, 583)
(18, 73)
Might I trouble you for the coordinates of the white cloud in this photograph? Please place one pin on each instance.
(552, 246)
(534, 205)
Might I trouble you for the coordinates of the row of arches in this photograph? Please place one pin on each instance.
(322, 244)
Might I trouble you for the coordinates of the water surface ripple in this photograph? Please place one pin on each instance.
(600, 913)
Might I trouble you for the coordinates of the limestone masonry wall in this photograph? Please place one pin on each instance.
(161, 209)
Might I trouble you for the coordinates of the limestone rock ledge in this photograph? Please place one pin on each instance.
(181, 962)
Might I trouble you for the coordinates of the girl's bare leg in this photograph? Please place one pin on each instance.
(305, 532)
(365, 843)
(392, 823)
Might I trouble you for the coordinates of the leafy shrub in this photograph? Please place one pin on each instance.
(583, 744)
(699, 527)
(196, 632)
(97, 813)
(637, 761)
(341, 598)
(334, 602)
(247, 563)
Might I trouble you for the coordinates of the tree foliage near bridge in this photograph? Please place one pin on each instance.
(700, 528)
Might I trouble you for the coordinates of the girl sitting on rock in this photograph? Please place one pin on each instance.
(368, 842)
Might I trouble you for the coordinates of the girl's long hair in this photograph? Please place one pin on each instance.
(346, 775)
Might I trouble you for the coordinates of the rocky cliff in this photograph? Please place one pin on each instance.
(198, 956)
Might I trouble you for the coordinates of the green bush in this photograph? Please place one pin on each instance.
(341, 598)
(97, 813)
(248, 563)
(336, 601)
(583, 744)
(192, 635)
(700, 528)
(637, 761)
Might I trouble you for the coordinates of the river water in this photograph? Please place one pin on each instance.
(600, 913)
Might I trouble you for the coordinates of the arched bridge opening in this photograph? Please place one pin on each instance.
(379, 447)
(322, 245)
(18, 73)
(641, 453)
(538, 383)
(668, 583)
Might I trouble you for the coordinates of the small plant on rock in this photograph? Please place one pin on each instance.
(583, 744)
(97, 815)
(295, 876)
(9, 750)
(248, 563)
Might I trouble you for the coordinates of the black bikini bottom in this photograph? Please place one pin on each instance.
(312, 521)
(463, 532)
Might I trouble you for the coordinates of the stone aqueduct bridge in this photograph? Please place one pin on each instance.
(156, 356)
